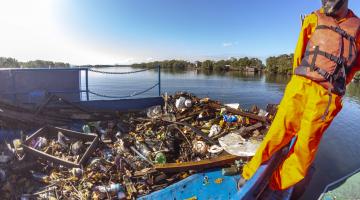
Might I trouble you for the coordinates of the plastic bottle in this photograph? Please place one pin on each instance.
(113, 188)
(160, 158)
(230, 118)
(86, 129)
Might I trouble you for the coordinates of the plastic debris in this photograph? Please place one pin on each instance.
(200, 147)
(154, 111)
(214, 130)
(230, 118)
(113, 188)
(188, 103)
(262, 113)
(233, 105)
(40, 143)
(237, 145)
(215, 149)
(160, 158)
(86, 129)
(139, 152)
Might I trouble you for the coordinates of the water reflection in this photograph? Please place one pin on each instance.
(277, 78)
(204, 72)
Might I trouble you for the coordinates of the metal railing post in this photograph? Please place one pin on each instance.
(159, 79)
(87, 83)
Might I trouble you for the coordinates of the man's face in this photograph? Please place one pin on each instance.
(334, 7)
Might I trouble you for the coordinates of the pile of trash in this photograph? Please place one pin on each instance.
(134, 155)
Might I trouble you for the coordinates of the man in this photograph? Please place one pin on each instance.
(325, 60)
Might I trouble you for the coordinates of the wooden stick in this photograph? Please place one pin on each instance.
(198, 165)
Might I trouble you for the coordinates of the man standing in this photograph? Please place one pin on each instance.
(325, 60)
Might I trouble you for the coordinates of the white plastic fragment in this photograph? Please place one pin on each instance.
(180, 103)
(233, 105)
(188, 103)
(262, 113)
(154, 112)
(214, 130)
(237, 145)
(214, 149)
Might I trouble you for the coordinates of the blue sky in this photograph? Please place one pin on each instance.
(128, 31)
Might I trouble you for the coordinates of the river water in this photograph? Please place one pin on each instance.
(339, 150)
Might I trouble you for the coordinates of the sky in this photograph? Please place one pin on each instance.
(84, 32)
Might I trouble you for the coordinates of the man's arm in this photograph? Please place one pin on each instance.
(308, 27)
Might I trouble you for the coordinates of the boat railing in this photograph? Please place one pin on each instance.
(32, 85)
(158, 84)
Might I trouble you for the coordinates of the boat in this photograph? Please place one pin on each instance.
(346, 187)
(51, 91)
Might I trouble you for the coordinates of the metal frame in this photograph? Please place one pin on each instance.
(80, 91)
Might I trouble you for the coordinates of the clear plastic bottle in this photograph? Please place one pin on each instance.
(113, 188)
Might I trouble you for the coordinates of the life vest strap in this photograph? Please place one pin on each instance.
(338, 30)
(326, 75)
(336, 59)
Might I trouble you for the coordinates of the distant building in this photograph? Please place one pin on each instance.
(252, 69)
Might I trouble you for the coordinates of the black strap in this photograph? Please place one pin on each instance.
(326, 75)
(350, 48)
(336, 59)
(316, 51)
(338, 30)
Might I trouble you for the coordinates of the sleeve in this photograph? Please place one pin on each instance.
(308, 27)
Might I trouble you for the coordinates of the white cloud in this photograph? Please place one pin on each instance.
(229, 44)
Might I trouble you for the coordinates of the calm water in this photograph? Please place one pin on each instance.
(339, 150)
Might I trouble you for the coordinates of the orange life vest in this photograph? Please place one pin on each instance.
(331, 52)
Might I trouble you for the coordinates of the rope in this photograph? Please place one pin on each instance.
(121, 97)
(130, 72)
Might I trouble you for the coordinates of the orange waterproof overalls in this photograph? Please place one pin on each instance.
(300, 114)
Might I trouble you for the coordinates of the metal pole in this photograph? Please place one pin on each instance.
(159, 79)
(87, 83)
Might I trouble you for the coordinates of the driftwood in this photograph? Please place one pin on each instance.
(246, 130)
(195, 130)
(197, 165)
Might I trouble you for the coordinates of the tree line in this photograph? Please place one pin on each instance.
(13, 63)
(220, 65)
(281, 64)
